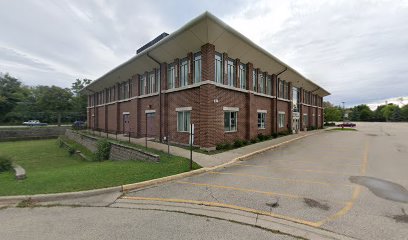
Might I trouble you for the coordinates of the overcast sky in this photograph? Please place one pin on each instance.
(357, 50)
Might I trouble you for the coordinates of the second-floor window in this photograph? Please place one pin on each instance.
(142, 80)
(261, 81)
(218, 68)
(268, 85)
(197, 67)
(183, 72)
(150, 83)
(171, 76)
(231, 72)
(242, 76)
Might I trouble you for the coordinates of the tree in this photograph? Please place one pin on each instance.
(11, 92)
(332, 114)
(388, 111)
(361, 113)
(404, 113)
(53, 99)
(79, 100)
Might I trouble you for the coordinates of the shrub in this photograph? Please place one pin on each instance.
(71, 150)
(274, 135)
(254, 140)
(219, 146)
(5, 164)
(245, 142)
(103, 150)
(238, 143)
(329, 124)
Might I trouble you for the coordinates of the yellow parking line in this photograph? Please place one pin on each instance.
(296, 169)
(356, 191)
(283, 179)
(223, 205)
(242, 189)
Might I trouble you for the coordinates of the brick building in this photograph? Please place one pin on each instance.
(208, 74)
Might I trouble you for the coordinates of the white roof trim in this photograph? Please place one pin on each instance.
(150, 111)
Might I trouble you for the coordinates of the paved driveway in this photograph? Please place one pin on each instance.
(318, 181)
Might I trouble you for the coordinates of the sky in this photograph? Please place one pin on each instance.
(355, 49)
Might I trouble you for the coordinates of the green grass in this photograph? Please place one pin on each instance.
(50, 169)
(341, 129)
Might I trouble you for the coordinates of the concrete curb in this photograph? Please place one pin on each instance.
(134, 186)
(58, 196)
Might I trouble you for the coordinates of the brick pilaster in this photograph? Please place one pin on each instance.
(207, 62)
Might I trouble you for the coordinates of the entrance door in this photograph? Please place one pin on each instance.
(295, 122)
(126, 123)
(150, 124)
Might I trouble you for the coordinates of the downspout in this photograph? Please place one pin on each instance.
(276, 98)
(160, 96)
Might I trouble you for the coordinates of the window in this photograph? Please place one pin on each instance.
(261, 120)
(281, 89)
(261, 80)
(268, 85)
(218, 68)
(281, 119)
(197, 67)
(108, 97)
(305, 119)
(231, 72)
(150, 83)
(171, 76)
(183, 72)
(254, 81)
(230, 121)
(242, 76)
(142, 80)
(295, 99)
(183, 121)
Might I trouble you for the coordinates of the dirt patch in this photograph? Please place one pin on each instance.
(315, 204)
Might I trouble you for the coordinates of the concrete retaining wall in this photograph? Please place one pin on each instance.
(117, 152)
(31, 133)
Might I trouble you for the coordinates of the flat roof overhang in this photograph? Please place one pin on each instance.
(206, 28)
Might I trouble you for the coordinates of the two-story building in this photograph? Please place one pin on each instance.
(208, 74)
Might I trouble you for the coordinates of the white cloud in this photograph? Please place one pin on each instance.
(355, 49)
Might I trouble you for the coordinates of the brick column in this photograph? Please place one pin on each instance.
(224, 68)
(290, 107)
(207, 62)
(190, 59)
(163, 101)
(275, 104)
(301, 109)
(251, 121)
(207, 131)
(177, 70)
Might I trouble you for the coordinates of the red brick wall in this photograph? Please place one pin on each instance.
(283, 106)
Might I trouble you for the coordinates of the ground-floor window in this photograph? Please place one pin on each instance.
(183, 121)
(261, 120)
(230, 121)
(281, 119)
(305, 119)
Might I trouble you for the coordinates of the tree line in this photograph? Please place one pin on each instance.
(49, 104)
(383, 113)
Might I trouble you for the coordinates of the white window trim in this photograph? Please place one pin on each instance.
(124, 113)
(236, 121)
(284, 115)
(183, 109)
(264, 122)
(150, 111)
(262, 111)
(182, 131)
(230, 109)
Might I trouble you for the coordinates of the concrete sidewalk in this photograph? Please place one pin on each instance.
(206, 160)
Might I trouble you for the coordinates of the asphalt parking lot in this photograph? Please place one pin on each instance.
(320, 181)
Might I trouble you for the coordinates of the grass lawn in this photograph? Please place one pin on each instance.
(50, 169)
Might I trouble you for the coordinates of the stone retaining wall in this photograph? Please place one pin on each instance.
(31, 133)
(117, 151)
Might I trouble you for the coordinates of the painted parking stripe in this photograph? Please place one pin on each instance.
(328, 184)
(297, 169)
(223, 205)
(287, 195)
(356, 191)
